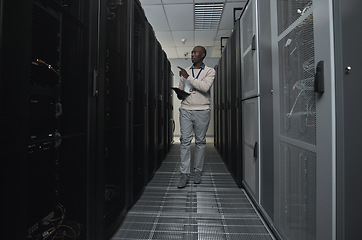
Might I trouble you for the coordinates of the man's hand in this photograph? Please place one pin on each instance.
(183, 72)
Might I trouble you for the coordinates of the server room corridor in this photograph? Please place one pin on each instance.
(89, 121)
(215, 209)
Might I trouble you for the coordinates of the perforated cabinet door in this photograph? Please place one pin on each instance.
(303, 120)
(249, 51)
(251, 144)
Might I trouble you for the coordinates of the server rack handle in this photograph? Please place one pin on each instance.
(319, 78)
(253, 43)
(256, 150)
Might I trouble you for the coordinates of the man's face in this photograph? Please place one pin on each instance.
(197, 55)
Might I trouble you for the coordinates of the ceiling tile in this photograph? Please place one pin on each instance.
(150, 2)
(165, 38)
(181, 51)
(156, 17)
(177, 1)
(205, 38)
(180, 16)
(170, 52)
(188, 35)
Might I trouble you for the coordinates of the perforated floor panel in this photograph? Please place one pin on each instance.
(216, 209)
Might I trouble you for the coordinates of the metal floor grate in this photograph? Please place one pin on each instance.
(216, 209)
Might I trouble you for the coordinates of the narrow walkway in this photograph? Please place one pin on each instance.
(215, 209)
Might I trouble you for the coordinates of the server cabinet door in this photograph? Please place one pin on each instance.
(138, 107)
(249, 51)
(237, 106)
(114, 116)
(160, 108)
(152, 104)
(304, 135)
(251, 144)
(232, 102)
(220, 108)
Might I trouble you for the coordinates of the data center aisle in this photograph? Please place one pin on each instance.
(214, 209)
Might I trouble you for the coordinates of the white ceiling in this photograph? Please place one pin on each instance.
(173, 20)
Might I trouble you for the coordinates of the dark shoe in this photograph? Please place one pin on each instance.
(197, 177)
(184, 180)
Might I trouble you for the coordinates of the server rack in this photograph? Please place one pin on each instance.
(160, 100)
(113, 78)
(46, 161)
(72, 119)
(304, 142)
(166, 90)
(216, 106)
(171, 121)
(234, 102)
(250, 98)
(307, 179)
(236, 105)
(14, 117)
(224, 123)
(249, 135)
(219, 107)
(138, 102)
(152, 102)
(168, 106)
(229, 91)
(228, 105)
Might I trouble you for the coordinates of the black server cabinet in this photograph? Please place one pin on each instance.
(152, 104)
(229, 98)
(233, 103)
(168, 103)
(14, 114)
(224, 114)
(219, 102)
(160, 109)
(166, 100)
(138, 103)
(216, 106)
(237, 106)
(72, 111)
(228, 112)
(171, 122)
(113, 116)
(45, 71)
(218, 92)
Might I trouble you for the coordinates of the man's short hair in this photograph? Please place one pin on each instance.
(203, 49)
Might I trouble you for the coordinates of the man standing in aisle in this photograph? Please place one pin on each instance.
(194, 114)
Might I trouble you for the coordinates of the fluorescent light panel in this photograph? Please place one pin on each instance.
(208, 15)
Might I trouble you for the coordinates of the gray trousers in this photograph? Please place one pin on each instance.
(193, 122)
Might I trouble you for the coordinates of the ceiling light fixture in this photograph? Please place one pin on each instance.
(208, 15)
